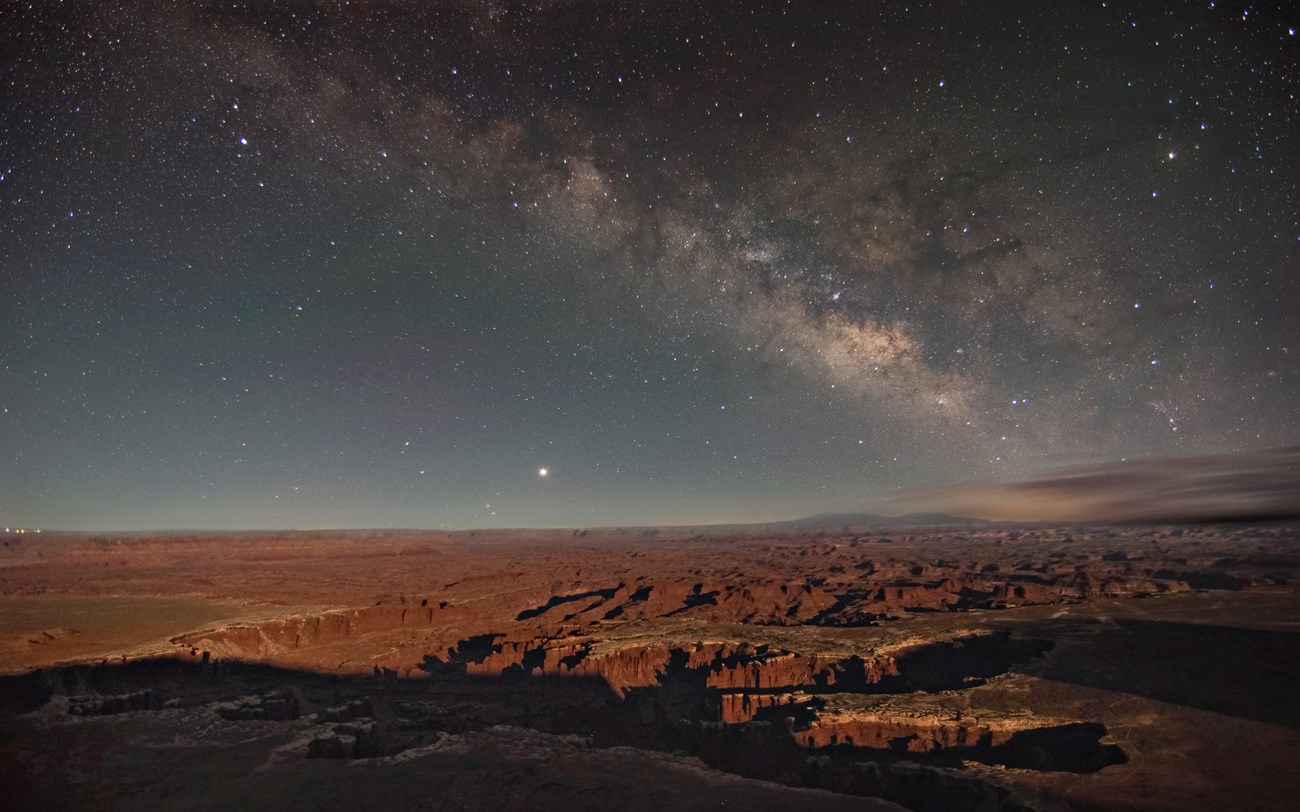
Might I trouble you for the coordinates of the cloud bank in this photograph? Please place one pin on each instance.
(1210, 488)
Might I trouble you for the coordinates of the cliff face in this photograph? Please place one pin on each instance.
(721, 668)
(731, 683)
(788, 642)
(264, 639)
(535, 626)
(881, 663)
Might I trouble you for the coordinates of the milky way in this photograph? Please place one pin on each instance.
(353, 264)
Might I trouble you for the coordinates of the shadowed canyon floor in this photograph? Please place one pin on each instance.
(848, 668)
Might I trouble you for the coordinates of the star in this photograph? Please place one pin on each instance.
(913, 269)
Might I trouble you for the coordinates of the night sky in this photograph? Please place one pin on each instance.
(379, 264)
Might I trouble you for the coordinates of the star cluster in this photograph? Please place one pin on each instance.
(464, 263)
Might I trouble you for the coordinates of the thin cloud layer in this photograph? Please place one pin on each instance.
(1213, 488)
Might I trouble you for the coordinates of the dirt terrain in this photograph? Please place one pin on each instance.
(947, 667)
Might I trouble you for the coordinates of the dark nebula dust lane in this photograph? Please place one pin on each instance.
(468, 264)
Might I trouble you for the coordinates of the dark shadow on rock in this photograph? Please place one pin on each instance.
(405, 713)
(557, 600)
(1248, 673)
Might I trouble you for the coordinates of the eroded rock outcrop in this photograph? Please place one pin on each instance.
(120, 703)
(276, 706)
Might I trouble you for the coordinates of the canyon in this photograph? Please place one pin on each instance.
(964, 667)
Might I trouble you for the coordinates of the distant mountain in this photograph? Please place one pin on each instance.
(833, 520)
(918, 519)
(876, 520)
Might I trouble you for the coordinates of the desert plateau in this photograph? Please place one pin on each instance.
(954, 667)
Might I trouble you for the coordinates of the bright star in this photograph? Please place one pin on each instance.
(542, 472)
